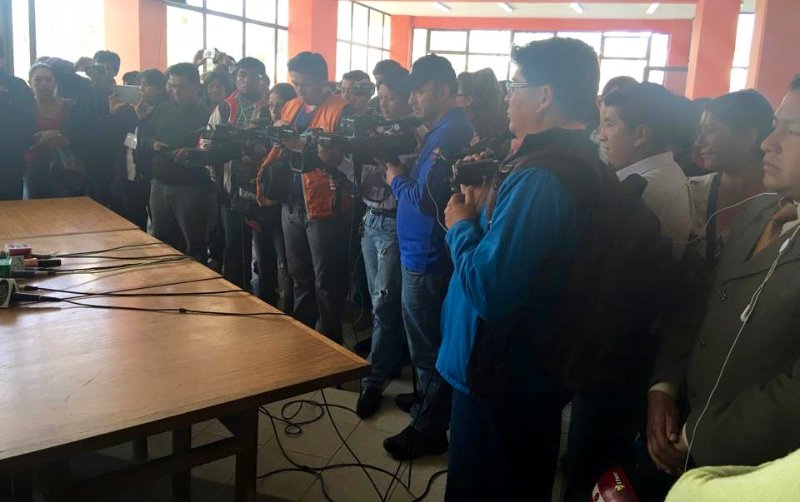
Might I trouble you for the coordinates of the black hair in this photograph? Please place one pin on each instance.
(649, 105)
(254, 64)
(794, 85)
(103, 57)
(386, 66)
(570, 67)
(311, 64)
(487, 102)
(396, 80)
(356, 76)
(130, 78)
(743, 110)
(285, 91)
(40, 66)
(687, 124)
(702, 102)
(187, 70)
(153, 78)
(619, 82)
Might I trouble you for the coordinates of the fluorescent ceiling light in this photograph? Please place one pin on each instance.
(442, 7)
(576, 6)
(506, 7)
(653, 8)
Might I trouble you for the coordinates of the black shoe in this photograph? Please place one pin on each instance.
(363, 347)
(411, 444)
(369, 402)
(406, 401)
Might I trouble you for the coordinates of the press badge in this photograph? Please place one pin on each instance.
(131, 141)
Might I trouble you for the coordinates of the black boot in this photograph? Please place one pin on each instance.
(411, 444)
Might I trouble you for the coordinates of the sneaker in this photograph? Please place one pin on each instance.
(411, 444)
(406, 401)
(369, 402)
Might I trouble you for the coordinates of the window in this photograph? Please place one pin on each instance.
(642, 55)
(239, 28)
(68, 30)
(741, 55)
(363, 38)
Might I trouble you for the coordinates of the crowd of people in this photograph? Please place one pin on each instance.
(632, 255)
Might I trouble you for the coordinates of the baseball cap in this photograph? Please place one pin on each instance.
(432, 68)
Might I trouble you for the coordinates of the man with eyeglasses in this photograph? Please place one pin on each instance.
(511, 247)
(244, 107)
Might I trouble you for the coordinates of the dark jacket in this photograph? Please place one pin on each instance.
(179, 127)
(754, 415)
(17, 126)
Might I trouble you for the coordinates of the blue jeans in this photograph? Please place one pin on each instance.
(500, 451)
(381, 253)
(422, 298)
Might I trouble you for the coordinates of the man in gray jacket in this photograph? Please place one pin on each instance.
(741, 369)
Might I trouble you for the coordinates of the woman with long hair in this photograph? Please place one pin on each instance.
(479, 94)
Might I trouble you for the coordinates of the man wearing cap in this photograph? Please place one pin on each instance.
(244, 107)
(422, 193)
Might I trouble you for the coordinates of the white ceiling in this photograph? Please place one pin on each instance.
(537, 10)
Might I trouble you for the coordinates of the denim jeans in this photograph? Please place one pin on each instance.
(237, 262)
(274, 283)
(498, 452)
(422, 298)
(316, 251)
(381, 253)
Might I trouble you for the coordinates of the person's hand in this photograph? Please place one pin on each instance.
(198, 58)
(333, 184)
(475, 140)
(462, 206)
(393, 171)
(160, 145)
(281, 123)
(83, 63)
(141, 110)
(182, 155)
(663, 432)
(115, 105)
(222, 59)
(50, 139)
(331, 157)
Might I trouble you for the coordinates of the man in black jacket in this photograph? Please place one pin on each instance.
(17, 125)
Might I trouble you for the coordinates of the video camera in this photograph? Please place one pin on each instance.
(470, 173)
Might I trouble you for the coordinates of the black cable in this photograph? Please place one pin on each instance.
(108, 257)
(179, 310)
(118, 248)
(113, 268)
(83, 294)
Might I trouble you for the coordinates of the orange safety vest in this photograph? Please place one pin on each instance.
(317, 193)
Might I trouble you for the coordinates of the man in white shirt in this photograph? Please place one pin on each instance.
(636, 130)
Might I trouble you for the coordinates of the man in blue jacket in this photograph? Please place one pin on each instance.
(510, 248)
(422, 194)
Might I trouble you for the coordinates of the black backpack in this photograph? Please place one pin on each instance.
(600, 334)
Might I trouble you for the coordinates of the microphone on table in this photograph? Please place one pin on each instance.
(9, 294)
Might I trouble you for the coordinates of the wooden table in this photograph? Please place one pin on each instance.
(43, 217)
(74, 379)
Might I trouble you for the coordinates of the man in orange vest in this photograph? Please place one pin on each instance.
(316, 209)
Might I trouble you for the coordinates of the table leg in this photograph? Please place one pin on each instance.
(140, 452)
(182, 480)
(246, 458)
(21, 488)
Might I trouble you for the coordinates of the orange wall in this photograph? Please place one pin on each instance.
(312, 27)
(774, 59)
(137, 31)
(401, 40)
(713, 44)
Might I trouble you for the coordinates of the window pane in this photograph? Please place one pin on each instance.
(385, 55)
(261, 10)
(260, 44)
(70, 30)
(342, 59)
(358, 60)
(22, 39)
(459, 62)
(523, 38)
(630, 47)
(656, 77)
(375, 28)
(282, 56)
(387, 32)
(593, 39)
(283, 12)
(418, 45)
(227, 6)
(224, 34)
(498, 64)
(738, 79)
(610, 68)
(659, 46)
(490, 42)
(194, 3)
(448, 41)
(360, 23)
(343, 21)
(744, 39)
(184, 34)
(373, 57)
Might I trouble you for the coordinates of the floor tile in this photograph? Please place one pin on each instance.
(399, 386)
(389, 418)
(367, 443)
(344, 398)
(423, 469)
(286, 485)
(221, 471)
(318, 438)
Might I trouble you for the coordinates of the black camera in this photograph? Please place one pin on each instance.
(469, 173)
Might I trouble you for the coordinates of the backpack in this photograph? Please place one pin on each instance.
(600, 332)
